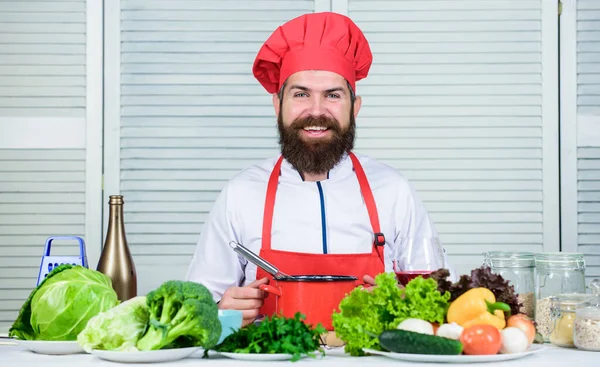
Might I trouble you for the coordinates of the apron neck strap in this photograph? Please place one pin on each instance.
(270, 205)
(367, 194)
(365, 190)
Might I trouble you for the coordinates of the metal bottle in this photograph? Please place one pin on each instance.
(116, 260)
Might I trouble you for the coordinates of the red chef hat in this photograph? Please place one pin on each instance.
(315, 41)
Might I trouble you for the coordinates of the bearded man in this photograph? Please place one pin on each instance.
(317, 208)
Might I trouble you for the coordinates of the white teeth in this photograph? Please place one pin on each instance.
(315, 128)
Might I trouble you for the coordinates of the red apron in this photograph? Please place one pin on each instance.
(296, 263)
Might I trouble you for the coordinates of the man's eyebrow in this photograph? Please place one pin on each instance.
(330, 90)
(296, 86)
(336, 89)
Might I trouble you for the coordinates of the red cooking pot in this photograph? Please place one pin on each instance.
(315, 296)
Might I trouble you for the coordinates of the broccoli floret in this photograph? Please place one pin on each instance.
(182, 314)
(197, 291)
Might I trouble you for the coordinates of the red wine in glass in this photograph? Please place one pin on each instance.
(406, 276)
(418, 257)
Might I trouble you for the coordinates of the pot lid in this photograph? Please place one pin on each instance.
(317, 278)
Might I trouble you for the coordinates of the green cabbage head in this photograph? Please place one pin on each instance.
(60, 307)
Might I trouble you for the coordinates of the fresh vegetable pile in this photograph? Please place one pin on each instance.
(474, 316)
(274, 335)
(364, 315)
(478, 315)
(177, 314)
(75, 303)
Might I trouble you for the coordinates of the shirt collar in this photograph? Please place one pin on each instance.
(340, 170)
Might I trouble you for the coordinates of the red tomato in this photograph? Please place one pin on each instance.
(481, 339)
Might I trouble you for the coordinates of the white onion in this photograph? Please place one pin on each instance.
(417, 326)
(450, 331)
(514, 340)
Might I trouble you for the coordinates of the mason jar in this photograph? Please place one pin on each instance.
(586, 329)
(518, 268)
(556, 273)
(563, 313)
(486, 257)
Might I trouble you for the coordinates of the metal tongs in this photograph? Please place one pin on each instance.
(258, 261)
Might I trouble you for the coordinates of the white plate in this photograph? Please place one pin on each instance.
(50, 347)
(259, 356)
(336, 351)
(457, 358)
(161, 355)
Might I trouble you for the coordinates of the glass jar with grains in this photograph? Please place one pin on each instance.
(556, 273)
(562, 310)
(586, 334)
(518, 268)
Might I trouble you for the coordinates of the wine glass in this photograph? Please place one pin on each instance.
(417, 256)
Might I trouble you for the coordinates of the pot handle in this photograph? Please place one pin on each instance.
(270, 289)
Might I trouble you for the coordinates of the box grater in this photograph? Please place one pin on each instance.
(50, 262)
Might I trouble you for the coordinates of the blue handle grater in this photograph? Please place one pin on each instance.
(51, 262)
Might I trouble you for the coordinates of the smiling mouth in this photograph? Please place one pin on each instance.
(315, 130)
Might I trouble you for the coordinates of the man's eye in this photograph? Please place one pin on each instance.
(300, 94)
(333, 95)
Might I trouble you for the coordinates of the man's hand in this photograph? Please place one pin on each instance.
(247, 299)
(369, 280)
(370, 283)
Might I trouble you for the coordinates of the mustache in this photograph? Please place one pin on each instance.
(318, 121)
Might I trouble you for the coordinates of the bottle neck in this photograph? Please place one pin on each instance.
(116, 227)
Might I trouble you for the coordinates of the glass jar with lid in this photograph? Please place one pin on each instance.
(562, 319)
(586, 333)
(487, 255)
(518, 268)
(556, 274)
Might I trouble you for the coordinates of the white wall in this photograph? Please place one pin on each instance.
(50, 138)
(580, 95)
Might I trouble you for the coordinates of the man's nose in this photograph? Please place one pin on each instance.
(317, 106)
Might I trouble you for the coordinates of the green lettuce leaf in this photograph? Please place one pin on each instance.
(118, 328)
(424, 301)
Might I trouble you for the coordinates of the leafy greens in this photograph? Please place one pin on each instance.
(118, 328)
(366, 314)
(273, 335)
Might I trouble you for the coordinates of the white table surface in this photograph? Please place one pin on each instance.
(15, 356)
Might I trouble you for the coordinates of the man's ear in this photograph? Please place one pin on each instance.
(276, 103)
(357, 104)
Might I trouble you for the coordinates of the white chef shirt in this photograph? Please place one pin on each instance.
(237, 215)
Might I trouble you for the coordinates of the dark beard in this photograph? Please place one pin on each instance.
(318, 156)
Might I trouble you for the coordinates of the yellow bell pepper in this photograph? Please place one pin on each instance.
(477, 306)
